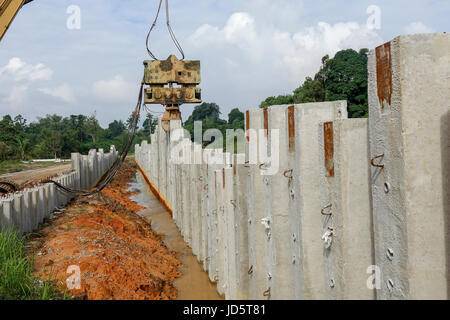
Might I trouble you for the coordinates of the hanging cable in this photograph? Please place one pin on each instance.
(148, 110)
(151, 29)
(107, 177)
(172, 34)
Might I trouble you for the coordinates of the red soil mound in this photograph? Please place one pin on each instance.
(119, 255)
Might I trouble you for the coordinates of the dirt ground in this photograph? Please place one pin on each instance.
(119, 255)
(29, 178)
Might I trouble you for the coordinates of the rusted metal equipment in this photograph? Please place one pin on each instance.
(172, 82)
(8, 187)
(8, 11)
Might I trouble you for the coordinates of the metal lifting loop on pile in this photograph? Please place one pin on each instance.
(160, 77)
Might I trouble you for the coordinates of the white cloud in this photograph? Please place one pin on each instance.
(114, 90)
(260, 51)
(20, 70)
(418, 27)
(17, 96)
(63, 92)
(240, 28)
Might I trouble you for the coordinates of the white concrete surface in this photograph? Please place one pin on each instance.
(409, 105)
(345, 199)
(255, 206)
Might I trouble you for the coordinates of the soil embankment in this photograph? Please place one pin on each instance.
(118, 253)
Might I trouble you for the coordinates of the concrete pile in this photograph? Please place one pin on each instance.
(25, 210)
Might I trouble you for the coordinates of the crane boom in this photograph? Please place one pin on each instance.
(8, 11)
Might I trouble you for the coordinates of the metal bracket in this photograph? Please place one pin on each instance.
(372, 161)
(327, 207)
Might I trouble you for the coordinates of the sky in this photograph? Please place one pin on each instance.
(249, 50)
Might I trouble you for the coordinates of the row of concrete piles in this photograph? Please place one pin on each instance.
(25, 210)
(330, 207)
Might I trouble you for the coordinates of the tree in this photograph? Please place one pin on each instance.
(24, 147)
(149, 124)
(310, 91)
(115, 129)
(204, 111)
(235, 114)
(55, 136)
(343, 77)
(3, 150)
(208, 114)
(272, 101)
(236, 119)
(131, 119)
(346, 79)
(10, 131)
(93, 128)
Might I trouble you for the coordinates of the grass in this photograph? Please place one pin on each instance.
(11, 166)
(16, 280)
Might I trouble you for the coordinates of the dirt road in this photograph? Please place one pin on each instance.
(31, 177)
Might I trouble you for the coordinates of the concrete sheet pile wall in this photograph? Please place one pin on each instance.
(321, 206)
(25, 210)
(240, 214)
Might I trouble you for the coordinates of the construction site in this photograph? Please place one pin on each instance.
(340, 191)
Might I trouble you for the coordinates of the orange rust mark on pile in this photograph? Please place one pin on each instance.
(223, 178)
(247, 124)
(329, 148)
(384, 74)
(266, 122)
(291, 128)
(156, 192)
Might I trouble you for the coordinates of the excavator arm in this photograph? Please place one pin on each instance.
(8, 11)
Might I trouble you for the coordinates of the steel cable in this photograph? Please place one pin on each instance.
(172, 34)
(107, 177)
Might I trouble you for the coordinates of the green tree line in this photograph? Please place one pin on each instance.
(57, 137)
(209, 115)
(343, 77)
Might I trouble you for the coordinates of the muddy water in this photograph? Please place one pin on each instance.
(194, 284)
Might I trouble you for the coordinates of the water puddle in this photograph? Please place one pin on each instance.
(195, 283)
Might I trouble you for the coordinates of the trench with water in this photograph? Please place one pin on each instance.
(194, 284)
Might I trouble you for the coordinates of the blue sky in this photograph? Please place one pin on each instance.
(249, 49)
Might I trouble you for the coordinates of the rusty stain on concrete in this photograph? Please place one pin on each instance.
(384, 74)
(329, 148)
(247, 124)
(291, 128)
(266, 122)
